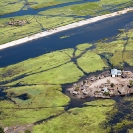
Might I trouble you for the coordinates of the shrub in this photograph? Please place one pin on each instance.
(1, 130)
(77, 88)
(112, 85)
(106, 93)
(84, 82)
(27, 131)
(131, 82)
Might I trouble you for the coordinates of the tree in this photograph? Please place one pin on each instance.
(84, 81)
(27, 131)
(1, 130)
(131, 82)
(112, 85)
(77, 88)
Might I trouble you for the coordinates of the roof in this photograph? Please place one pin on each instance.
(118, 71)
(114, 71)
(105, 89)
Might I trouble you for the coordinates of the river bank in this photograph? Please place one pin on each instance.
(67, 27)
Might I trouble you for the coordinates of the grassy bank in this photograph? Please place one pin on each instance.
(79, 119)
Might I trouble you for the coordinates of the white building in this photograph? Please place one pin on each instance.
(115, 72)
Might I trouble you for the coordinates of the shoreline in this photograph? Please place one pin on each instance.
(62, 28)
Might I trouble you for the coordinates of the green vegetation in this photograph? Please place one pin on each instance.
(52, 68)
(130, 130)
(117, 58)
(1, 130)
(27, 131)
(110, 47)
(112, 84)
(119, 51)
(85, 119)
(81, 48)
(45, 101)
(41, 3)
(40, 96)
(91, 62)
(10, 6)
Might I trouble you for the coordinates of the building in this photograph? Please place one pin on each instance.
(105, 90)
(115, 72)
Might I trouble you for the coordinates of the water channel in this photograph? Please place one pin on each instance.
(31, 11)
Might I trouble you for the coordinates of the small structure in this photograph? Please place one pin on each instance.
(122, 91)
(115, 72)
(75, 92)
(105, 90)
(85, 92)
(128, 74)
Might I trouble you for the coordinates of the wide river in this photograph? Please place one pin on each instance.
(87, 33)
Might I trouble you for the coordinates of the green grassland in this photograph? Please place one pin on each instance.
(42, 3)
(36, 65)
(130, 130)
(81, 48)
(10, 6)
(43, 101)
(53, 68)
(17, 116)
(120, 48)
(91, 62)
(38, 96)
(85, 119)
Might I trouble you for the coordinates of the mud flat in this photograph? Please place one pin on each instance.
(69, 26)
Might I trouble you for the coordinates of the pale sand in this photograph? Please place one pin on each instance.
(115, 80)
(69, 26)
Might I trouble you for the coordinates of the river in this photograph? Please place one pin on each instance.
(87, 33)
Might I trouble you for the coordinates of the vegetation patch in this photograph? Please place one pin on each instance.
(91, 62)
(44, 101)
(77, 119)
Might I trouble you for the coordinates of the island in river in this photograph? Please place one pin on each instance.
(105, 85)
